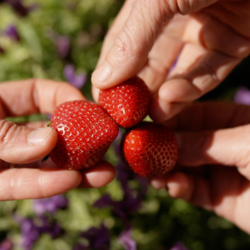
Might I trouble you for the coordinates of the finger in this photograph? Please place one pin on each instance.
(203, 63)
(206, 29)
(228, 147)
(110, 38)
(95, 93)
(41, 124)
(115, 29)
(20, 144)
(26, 97)
(205, 74)
(158, 183)
(98, 176)
(162, 56)
(19, 184)
(210, 116)
(225, 192)
(212, 193)
(160, 60)
(129, 52)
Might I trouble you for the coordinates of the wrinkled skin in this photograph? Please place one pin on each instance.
(22, 173)
(208, 37)
(213, 173)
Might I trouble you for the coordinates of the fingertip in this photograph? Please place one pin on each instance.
(98, 176)
(95, 93)
(101, 76)
(156, 112)
(158, 183)
(161, 110)
(178, 186)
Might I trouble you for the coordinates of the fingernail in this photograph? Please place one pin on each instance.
(38, 136)
(102, 74)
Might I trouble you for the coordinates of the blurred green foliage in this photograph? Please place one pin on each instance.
(161, 221)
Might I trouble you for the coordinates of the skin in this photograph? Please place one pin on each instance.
(213, 173)
(204, 39)
(22, 174)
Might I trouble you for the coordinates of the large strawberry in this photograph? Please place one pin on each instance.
(85, 132)
(128, 102)
(150, 149)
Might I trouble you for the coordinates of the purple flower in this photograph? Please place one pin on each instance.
(242, 96)
(6, 245)
(98, 239)
(63, 46)
(32, 229)
(126, 239)
(19, 7)
(130, 204)
(12, 33)
(178, 246)
(50, 205)
(77, 80)
(30, 233)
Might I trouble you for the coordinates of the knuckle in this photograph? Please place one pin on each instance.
(204, 77)
(8, 132)
(125, 49)
(182, 7)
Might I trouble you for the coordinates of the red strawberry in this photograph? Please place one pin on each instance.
(85, 132)
(128, 102)
(150, 149)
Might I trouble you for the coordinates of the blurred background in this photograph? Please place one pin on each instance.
(61, 40)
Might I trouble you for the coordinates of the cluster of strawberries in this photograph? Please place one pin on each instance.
(86, 130)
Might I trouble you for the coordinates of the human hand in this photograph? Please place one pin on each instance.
(23, 147)
(209, 38)
(213, 169)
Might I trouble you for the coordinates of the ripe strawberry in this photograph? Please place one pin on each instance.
(128, 102)
(150, 149)
(85, 132)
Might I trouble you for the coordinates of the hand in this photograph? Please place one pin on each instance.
(209, 38)
(213, 168)
(20, 145)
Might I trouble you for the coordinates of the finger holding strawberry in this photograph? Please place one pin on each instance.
(24, 145)
(213, 162)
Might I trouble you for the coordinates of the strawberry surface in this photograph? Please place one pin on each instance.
(85, 132)
(128, 102)
(150, 149)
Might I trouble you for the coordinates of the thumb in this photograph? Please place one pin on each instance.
(20, 144)
(130, 49)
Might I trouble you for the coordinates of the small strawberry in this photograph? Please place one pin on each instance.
(150, 149)
(85, 132)
(127, 103)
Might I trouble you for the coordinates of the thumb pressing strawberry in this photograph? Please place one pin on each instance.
(85, 131)
(126, 103)
(150, 149)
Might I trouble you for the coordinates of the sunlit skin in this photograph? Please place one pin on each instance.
(30, 178)
(213, 168)
(209, 38)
